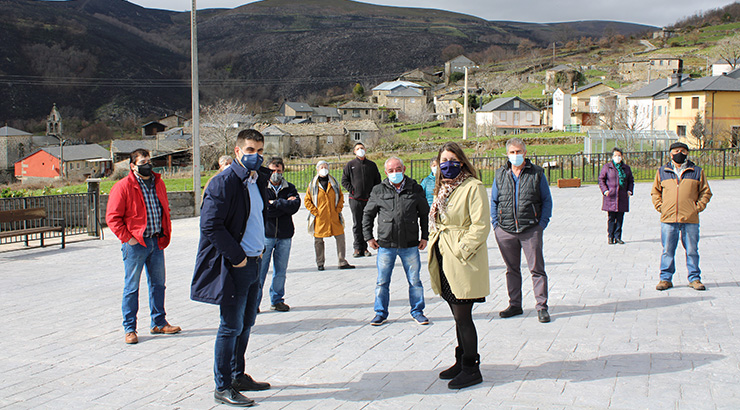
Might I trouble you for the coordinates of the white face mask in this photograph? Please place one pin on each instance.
(360, 153)
(617, 159)
(323, 172)
(434, 170)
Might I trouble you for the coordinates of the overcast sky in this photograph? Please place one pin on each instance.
(652, 12)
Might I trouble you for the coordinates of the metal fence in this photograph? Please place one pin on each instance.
(717, 163)
(78, 210)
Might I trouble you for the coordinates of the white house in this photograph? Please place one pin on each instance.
(504, 116)
(560, 110)
(648, 106)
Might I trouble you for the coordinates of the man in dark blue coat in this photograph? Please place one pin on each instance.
(283, 202)
(228, 262)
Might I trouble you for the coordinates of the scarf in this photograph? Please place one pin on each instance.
(620, 171)
(439, 206)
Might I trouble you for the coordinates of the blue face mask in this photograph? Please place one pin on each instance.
(395, 177)
(251, 162)
(516, 159)
(450, 169)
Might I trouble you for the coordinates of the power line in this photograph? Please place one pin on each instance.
(24, 80)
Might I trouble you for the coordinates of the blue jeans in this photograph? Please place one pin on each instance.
(135, 258)
(278, 250)
(669, 234)
(412, 265)
(237, 319)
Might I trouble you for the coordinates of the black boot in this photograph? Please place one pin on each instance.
(470, 374)
(456, 368)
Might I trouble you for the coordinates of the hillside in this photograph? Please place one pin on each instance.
(111, 60)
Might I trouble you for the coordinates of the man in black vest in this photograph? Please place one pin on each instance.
(359, 177)
(521, 206)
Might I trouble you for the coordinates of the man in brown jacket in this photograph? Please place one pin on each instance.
(680, 192)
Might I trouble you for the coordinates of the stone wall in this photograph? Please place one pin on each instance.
(181, 205)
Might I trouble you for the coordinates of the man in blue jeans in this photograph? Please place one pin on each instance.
(227, 267)
(283, 202)
(138, 213)
(680, 191)
(401, 207)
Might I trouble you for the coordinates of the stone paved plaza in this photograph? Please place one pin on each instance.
(614, 342)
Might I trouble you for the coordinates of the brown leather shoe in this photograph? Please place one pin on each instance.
(663, 285)
(166, 329)
(131, 338)
(697, 285)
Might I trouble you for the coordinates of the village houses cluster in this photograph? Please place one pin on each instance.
(661, 98)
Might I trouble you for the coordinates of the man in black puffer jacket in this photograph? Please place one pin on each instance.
(282, 203)
(401, 207)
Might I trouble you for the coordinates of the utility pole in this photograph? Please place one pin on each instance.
(465, 106)
(195, 109)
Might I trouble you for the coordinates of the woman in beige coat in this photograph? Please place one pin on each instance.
(459, 223)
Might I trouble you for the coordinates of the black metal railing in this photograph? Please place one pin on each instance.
(79, 212)
(717, 163)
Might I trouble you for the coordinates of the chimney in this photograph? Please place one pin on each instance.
(680, 73)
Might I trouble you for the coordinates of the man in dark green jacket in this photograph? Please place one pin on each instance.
(401, 207)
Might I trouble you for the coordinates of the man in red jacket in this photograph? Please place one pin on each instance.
(138, 213)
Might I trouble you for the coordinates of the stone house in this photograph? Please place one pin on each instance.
(362, 131)
(457, 65)
(648, 67)
(358, 110)
(310, 139)
(152, 128)
(447, 107)
(173, 121)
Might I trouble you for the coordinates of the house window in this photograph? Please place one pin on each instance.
(355, 113)
(529, 117)
(694, 102)
(681, 130)
(678, 103)
(502, 116)
(516, 104)
(516, 118)
(367, 112)
(660, 111)
(329, 139)
(413, 100)
(345, 112)
(357, 136)
(395, 100)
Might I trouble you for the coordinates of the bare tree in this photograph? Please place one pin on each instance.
(728, 49)
(698, 130)
(220, 124)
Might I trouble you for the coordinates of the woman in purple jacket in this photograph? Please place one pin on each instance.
(616, 183)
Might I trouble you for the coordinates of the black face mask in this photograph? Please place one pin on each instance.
(679, 157)
(145, 170)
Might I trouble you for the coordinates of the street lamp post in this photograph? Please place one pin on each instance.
(195, 109)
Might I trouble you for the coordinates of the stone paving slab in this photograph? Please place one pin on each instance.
(614, 342)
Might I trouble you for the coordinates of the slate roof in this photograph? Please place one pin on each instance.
(128, 146)
(587, 86)
(7, 131)
(326, 111)
(299, 106)
(406, 92)
(715, 83)
(392, 85)
(361, 125)
(656, 87)
(562, 67)
(506, 104)
(358, 105)
(79, 152)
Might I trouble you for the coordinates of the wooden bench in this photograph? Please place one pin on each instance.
(30, 214)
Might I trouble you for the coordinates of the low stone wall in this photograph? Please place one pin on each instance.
(181, 205)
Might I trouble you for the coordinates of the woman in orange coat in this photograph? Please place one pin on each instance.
(324, 200)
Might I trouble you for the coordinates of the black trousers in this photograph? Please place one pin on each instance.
(614, 225)
(357, 208)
